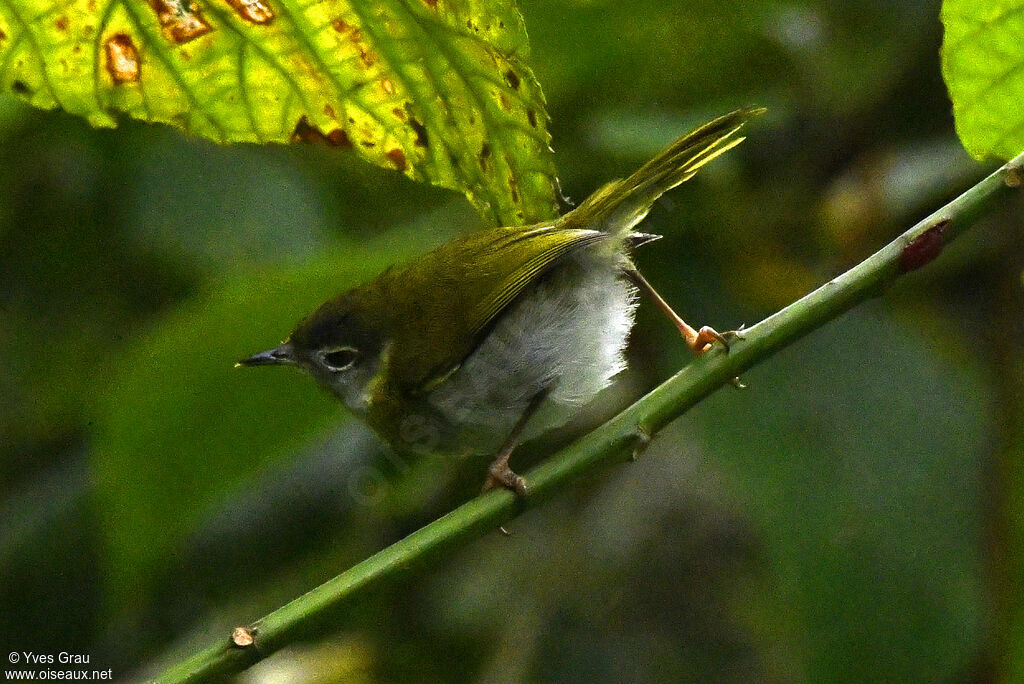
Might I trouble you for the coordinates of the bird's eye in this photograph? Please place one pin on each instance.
(339, 359)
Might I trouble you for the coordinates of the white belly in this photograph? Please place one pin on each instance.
(568, 334)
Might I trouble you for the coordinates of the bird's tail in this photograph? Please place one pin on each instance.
(619, 205)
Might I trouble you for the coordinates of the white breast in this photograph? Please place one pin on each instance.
(568, 333)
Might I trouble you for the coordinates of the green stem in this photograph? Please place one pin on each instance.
(616, 440)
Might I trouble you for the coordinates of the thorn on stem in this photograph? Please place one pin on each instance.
(242, 637)
(643, 440)
(737, 334)
(1014, 177)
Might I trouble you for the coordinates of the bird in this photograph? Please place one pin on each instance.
(496, 336)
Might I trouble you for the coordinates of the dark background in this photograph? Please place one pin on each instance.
(855, 515)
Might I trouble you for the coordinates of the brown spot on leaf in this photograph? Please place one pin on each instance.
(368, 144)
(356, 36)
(3, 36)
(180, 20)
(924, 248)
(339, 138)
(87, 31)
(399, 113)
(421, 132)
(20, 87)
(512, 79)
(61, 24)
(329, 111)
(387, 86)
(531, 116)
(505, 104)
(307, 133)
(485, 157)
(122, 59)
(432, 4)
(513, 189)
(254, 11)
(397, 158)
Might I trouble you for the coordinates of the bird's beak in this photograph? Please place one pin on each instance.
(281, 355)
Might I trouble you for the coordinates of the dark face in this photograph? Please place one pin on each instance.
(338, 325)
(337, 346)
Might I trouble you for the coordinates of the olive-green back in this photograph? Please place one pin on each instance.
(444, 302)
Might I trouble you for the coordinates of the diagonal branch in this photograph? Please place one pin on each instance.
(615, 441)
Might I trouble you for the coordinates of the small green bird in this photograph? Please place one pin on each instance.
(501, 334)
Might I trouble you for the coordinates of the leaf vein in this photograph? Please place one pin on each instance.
(34, 45)
(468, 161)
(995, 82)
(306, 41)
(268, 57)
(159, 49)
(97, 79)
(966, 39)
(419, 90)
(243, 90)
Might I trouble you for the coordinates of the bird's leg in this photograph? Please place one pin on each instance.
(697, 340)
(499, 472)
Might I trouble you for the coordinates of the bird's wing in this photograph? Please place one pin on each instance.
(526, 255)
(466, 285)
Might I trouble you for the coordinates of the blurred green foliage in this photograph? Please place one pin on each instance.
(854, 515)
